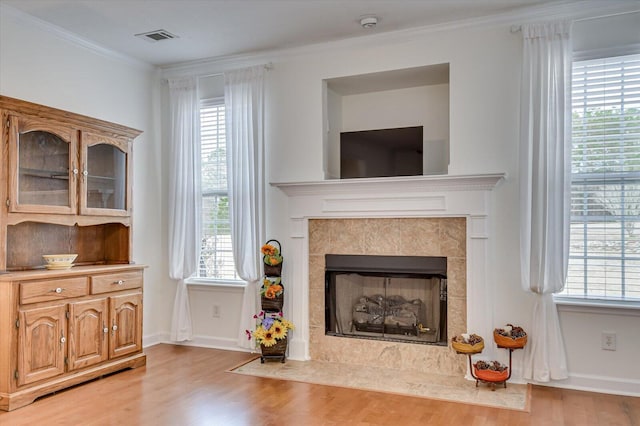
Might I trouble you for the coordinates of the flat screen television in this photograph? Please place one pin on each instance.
(381, 153)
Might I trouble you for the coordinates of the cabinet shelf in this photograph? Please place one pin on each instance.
(58, 174)
(46, 174)
(110, 178)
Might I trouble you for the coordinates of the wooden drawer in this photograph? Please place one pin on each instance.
(57, 289)
(115, 282)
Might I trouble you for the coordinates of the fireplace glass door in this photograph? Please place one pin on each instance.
(396, 305)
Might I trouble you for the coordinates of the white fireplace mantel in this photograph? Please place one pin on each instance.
(406, 196)
(382, 184)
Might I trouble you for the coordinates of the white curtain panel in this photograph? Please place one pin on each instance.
(243, 96)
(184, 198)
(545, 154)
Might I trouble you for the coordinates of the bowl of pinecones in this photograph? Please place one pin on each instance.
(467, 343)
(510, 337)
(491, 371)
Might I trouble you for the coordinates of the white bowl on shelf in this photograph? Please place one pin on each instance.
(59, 261)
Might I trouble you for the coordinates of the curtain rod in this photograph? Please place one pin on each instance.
(518, 28)
(267, 66)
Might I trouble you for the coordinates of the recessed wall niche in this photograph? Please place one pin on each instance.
(401, 98)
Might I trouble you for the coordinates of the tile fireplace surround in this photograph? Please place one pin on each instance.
(388, 236)
(418, 216)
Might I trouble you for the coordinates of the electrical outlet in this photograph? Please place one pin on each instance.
(608, 341)
(216, 311)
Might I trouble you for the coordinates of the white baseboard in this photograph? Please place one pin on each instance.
(600, 384)
(154, 339)
(224, 343)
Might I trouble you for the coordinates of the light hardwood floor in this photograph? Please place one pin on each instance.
(190, 386)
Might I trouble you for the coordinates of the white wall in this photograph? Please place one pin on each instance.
(216, 315)
(42, 66)
(333, 122)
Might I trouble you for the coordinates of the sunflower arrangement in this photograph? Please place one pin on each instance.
(269, 329)
(271, 255)
(271, 287)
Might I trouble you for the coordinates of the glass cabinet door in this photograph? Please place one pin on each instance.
(104, 176)
(42, 178)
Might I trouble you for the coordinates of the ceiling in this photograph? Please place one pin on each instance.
(225, 28)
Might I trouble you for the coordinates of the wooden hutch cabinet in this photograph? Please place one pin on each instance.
(66, 188)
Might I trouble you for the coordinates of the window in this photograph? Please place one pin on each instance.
(216, 257)
(604, 258)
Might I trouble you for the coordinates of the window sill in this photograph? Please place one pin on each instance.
(199, 282)
(603, 307)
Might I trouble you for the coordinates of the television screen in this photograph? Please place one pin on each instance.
(381, 153)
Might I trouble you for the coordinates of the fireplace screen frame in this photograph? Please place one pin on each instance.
(404, 272)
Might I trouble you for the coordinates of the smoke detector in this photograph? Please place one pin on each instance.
(369, 22)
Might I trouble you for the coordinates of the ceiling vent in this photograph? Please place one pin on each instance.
(157, 35)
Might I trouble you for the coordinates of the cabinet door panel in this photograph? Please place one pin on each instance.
(125, 336)
(104, 186)
(43, 158)
(88, 331)
(41, 343)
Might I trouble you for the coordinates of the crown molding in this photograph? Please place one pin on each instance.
(581, 10)
(576, 10)
(72, 38)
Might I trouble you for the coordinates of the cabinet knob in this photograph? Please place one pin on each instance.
(75, 171)
(63, 339)
(105, 330)
(119, 282)
(114, 327)
(85, 173)
(57, 290)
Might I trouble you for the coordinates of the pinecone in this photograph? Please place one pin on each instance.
(474, 338)
(491, 365)
(515, 333)
(481, 365)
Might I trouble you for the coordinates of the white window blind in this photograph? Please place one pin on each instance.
(604, 258)
(216, 257)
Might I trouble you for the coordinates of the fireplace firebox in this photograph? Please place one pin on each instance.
(393, 298)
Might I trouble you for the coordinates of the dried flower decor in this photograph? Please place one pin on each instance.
(271, 287)
(271, 255)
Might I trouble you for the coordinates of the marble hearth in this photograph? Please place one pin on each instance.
(426, 215)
